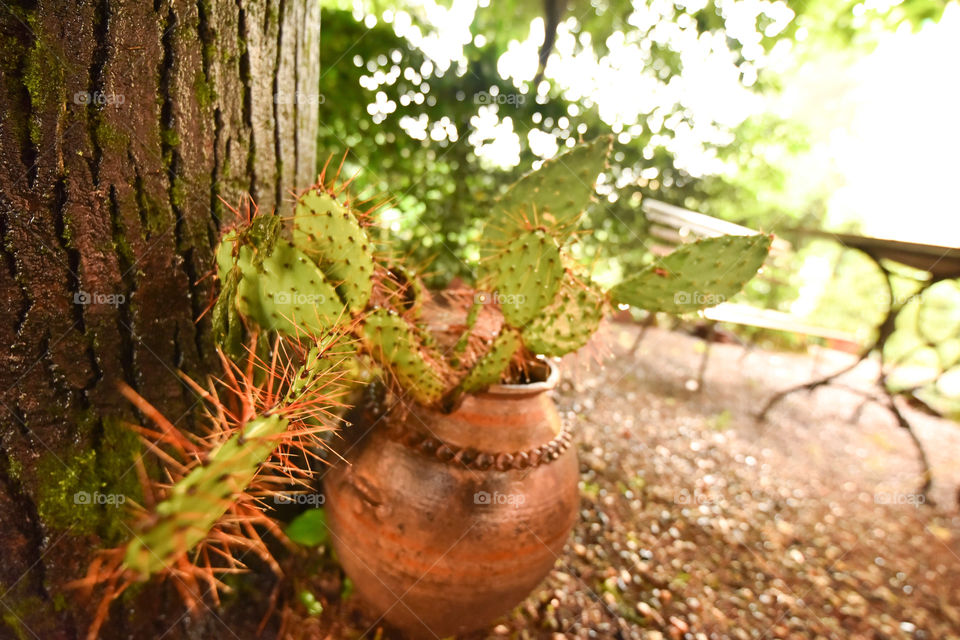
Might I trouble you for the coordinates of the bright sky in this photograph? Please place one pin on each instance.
(899, 153)
(884, 129)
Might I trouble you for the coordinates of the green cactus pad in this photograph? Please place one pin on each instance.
(396, 344)
(330, 234)
(569, 322)
(494, 362)
(195, 503)
(288, 293)
(464, 340)
(528, 274)
(225, 320)
(405, 289)
(224, 255)
(695, 276)
(554, 196)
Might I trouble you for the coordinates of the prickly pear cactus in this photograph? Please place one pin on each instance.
(697, 275)
(555, 196)
(494, 362)
(332, 236)
(392, 341)
(404, 289)
(569, 322)
(287, 293)
(528, 273)
(201, 498)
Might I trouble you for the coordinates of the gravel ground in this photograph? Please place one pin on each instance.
(697, 522)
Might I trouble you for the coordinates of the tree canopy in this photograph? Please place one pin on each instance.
(437, 105)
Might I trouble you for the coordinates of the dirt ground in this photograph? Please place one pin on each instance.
(699, 522)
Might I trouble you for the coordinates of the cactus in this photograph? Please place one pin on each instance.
(287, 293)
(331, 235)
(528, 274)
(697, 275)
(491, 366)
(210, 503)
(567, 324)
(395, 343)
(555, 196)
(546, 307)
(404, 289)
(200, 499)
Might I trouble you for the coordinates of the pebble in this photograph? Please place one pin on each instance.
(775, 538)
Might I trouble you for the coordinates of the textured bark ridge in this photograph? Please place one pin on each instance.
(123, 123)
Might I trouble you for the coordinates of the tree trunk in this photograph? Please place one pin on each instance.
(123, 125)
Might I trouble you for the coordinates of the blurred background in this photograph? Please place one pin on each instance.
(777, 115)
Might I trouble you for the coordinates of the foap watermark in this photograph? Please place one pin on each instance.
(696, 498)
(85, 497)
(301, 499)
(698, 298)
(299, 97)
(495, 297)
(98, 98)
(294, 297)
(512, 499)
(914, 499)
(94, 297)
(512, 99)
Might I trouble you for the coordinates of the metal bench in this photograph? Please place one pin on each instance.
(671, 225)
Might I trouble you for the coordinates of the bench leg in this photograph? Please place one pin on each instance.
(648, 322)
(707, 344)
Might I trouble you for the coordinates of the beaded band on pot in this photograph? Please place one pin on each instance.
(482, 460)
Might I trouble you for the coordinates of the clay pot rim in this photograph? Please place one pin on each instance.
(551, 381)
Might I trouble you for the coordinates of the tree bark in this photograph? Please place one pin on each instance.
(123, 125)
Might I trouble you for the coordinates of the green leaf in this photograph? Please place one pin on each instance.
(309, 528)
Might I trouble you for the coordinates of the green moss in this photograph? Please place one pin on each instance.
(203, 90)
(60, 602)
(178, 192)
(13, 617)
(43, 79)
(66, 487)
(10, 55)
(86, 489)
(111, 138)
(209, 52)
(154, 213)
(27, 615)
(170, 138)
(14, 468)
(119, 449)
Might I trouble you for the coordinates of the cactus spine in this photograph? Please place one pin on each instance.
(256, 418)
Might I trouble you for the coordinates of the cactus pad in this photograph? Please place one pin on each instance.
(567, 324)
(555, 195)
(528, 274)
(332, 236)
(396, 344)
(201, 498)
(697, 275)
(288, 293)
(493, 363)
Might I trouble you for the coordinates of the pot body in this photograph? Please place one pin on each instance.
(446, 521)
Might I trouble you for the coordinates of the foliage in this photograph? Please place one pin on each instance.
(415, 126)
(309, 528)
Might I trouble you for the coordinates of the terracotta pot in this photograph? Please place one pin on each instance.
(446, 521)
